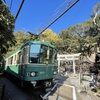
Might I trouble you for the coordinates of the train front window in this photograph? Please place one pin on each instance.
(51, 60)
(47, 55)
(52, 55)
(43, 54)
(34, 54)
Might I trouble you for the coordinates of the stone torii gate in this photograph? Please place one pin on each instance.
(69, 57)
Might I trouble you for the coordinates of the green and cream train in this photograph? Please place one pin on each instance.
(34, 62)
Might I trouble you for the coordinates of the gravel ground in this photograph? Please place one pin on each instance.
(14, 92)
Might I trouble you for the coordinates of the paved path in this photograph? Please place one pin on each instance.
(74, 81)
(69, 93)
(86, 93)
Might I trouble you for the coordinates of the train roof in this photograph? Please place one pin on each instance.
(41, 42)
(29, 43)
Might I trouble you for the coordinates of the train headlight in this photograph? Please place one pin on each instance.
(33, 73)
(54, 73)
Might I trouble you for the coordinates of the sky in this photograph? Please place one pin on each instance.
(35, 13)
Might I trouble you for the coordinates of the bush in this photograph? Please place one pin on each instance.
(84, 79)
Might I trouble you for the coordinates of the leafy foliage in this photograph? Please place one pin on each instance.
(6, 28)
(49, 36)
(77, 39)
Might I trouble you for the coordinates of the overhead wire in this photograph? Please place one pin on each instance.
(56, 13)
(15, 16)
(4, 1)
(51, 17)
(11, 4)
(76, 13)
(19, 9)
(62, 9)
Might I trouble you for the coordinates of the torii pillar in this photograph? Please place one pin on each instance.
(74, 65)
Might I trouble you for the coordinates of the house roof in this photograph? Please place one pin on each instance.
(85, 60)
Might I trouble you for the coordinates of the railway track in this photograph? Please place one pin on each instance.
(14, 92)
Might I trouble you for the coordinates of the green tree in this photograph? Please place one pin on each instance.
(20, 38)
(95, 28)
(49, 36)
(6, 28)
(76, 39)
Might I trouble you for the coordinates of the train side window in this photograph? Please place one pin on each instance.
(6, 62)
(19, 58)
(14, 59)
(24, 58)
(11, 60)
